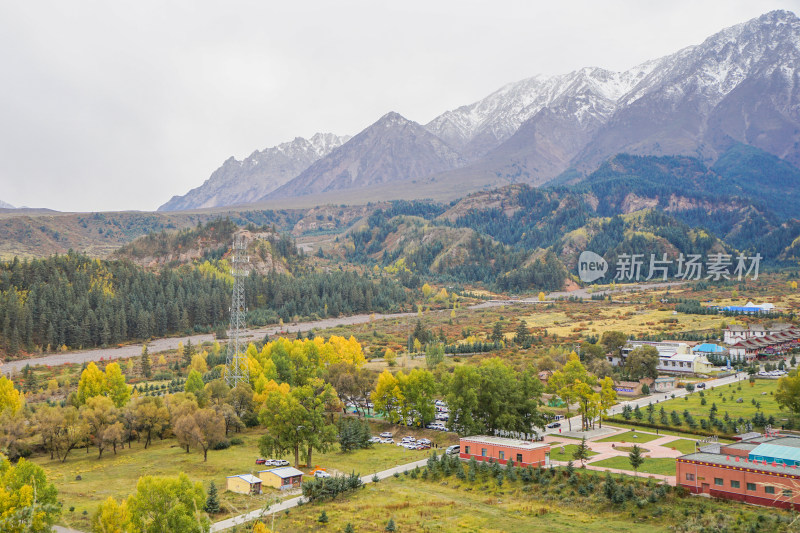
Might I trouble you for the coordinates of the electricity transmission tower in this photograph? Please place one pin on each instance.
(236, 360)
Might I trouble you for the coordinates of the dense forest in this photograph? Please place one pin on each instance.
(75, 301)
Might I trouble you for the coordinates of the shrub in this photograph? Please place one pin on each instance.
(222, 445)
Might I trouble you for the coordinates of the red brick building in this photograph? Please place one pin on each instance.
(501, 450)
(760, 470)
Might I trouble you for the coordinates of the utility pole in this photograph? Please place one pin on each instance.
(236, 360)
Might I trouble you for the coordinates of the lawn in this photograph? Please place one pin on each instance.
(116, 475)
(631, 436)
(417, 506)
(682, 445)
(664, 466)
(661, 432)
(569, 449)
(725, 398)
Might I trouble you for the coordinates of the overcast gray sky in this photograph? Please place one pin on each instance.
(120, 105)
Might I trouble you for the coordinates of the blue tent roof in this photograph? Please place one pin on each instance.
(709, 347)
(775, 451)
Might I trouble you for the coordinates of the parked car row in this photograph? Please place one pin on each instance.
(772, 373)
(272, 462)
(439, 426)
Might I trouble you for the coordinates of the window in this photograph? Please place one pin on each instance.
(751, 486)
(466, 450)
(483, 452)
(519, 457)
(769, 490)
(689, 477)
(787, 493)
(718, 481)
(734, 484)
(501, 455)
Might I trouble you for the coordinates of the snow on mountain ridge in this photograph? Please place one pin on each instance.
(715, 67)
(239, 182)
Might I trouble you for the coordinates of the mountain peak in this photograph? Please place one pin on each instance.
(391, 149)
(392, 118)
(240, 182)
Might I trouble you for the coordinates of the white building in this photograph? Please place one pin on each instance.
(673, 357)
(736, 334)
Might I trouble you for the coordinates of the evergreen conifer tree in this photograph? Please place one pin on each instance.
(212, 502)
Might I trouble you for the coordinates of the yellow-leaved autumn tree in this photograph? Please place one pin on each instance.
(11, 399)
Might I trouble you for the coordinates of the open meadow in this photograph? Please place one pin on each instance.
(547, 502)
(116, 475)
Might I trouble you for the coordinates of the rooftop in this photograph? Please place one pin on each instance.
(776, 452)
(502, 441)
(248, 477)
(284, 472)
(735, 461)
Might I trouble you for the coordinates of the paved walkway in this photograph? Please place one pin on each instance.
(288, 504)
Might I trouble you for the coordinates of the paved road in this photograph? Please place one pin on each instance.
(171, 343)
(292, 502)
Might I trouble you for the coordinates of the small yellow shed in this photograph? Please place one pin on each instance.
(244, 484)
(282, 478)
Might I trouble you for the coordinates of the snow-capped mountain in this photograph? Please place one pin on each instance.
(239, 182)
(393, 148)
(4, 205)
(477, 128)
(740, 86)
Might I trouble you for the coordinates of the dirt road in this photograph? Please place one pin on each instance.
(171, 343)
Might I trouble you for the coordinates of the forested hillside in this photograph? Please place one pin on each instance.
(79, 302)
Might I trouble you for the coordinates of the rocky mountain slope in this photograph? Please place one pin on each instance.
(393, 148)
(740, 86)
(240, 182)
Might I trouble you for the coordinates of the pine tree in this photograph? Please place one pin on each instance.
(522, 333)
(323, 517)
(636, 459)
(147, 370)
(212, 502)
(349, 528)
(581, 453)
(497, 332)
(188, 351)
(390, 525)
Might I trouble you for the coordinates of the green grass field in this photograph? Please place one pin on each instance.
(661, 432)
(661, 465)
(682, 445)
(569, 449)
(631, 436)
(116, 475)
(725, 398)
(417, 506)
